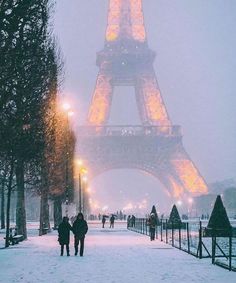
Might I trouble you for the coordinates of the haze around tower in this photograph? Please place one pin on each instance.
(195, 65)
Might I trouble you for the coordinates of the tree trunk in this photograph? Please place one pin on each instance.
(57, 212)
(3, 205)
(20, 206)
(44, 225)
(9, 189)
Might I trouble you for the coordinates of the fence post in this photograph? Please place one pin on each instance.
(188, 238)
(230, 252)
(200, 240)
(166, 233)
(161, 229)
(180, 235)
(172, 233)
(213, 249)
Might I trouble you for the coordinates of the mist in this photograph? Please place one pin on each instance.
(195, 64)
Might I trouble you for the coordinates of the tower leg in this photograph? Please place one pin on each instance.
(150, 104)
(101, 103)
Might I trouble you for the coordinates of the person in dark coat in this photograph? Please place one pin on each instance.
(64, 235)
(80, 228)
(152, 222)
(103, 220)
(132, 221)
(112, 221)
(128, 221)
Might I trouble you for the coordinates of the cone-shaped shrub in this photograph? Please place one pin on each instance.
(154, 210)
(219, 219)
(174, 216)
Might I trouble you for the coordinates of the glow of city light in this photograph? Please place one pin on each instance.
(190, 200)
(105, 208)
(71, 113)
(179, 203)
(85, 179)
(89, 190)
(129, 206)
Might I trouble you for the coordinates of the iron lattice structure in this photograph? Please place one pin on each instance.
(156, 145)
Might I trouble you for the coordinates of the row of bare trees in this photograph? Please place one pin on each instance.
(36, 143)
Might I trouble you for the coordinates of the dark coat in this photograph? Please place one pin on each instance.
(112, 219)
(64, 233)
(152, 222)
(80, 228)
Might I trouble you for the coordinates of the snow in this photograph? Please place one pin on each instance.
(111, 256)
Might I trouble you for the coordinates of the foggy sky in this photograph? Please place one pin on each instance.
(195, 44)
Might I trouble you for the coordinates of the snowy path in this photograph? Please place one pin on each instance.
(111, 256)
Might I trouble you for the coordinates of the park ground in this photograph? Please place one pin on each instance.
(111, 256)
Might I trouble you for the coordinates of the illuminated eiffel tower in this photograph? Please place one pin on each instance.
(155, 146)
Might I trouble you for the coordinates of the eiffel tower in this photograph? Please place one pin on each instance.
(155, 146)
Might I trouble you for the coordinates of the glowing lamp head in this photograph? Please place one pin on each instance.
(66, 106)
(79, 162)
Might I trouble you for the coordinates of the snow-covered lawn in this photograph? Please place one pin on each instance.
(111, 256)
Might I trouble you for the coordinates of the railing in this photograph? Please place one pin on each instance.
(130, 131)
(190, 237)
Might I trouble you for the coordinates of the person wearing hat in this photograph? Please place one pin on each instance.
(80, 228)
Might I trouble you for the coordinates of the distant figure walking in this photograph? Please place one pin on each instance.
(103, 221)
(80, 228)
(132, 221)
(112, 221)
(152, 222)
(128, 221)
(64, 235)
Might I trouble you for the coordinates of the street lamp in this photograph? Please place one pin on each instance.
(81, 170)
(66, 107)
(84, 191)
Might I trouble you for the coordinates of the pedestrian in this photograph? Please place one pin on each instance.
(152, 222)
(112, 221)
(132, 221)
(80, 228)
(128, 221)
(64, 235)
(103, 221)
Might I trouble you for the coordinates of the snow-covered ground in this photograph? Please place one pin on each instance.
(111, 256)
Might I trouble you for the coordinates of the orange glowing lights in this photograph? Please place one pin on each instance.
(99, 110)
(154, 107)
(137, 19)
(113, 26)
(156, 110)
(125, 19)
(177, 189)
(190, 176)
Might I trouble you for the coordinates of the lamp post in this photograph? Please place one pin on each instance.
(84, 191)
(81, 170)
(66, 107)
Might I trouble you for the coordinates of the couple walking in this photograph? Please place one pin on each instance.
(79, 230)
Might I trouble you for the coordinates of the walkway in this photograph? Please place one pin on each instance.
(111, 256)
